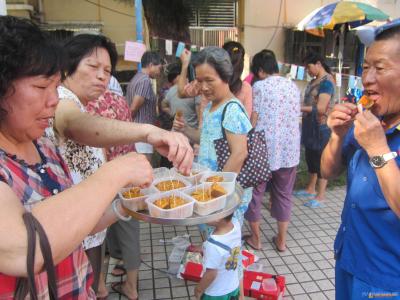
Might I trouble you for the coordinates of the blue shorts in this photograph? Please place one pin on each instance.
(351, 288)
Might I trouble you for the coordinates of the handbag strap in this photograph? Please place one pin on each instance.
(27, 285)
(223, 116)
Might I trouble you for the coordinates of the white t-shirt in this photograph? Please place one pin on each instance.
(215, 257)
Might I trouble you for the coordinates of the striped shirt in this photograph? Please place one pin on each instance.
(32, 184)
(140, 85)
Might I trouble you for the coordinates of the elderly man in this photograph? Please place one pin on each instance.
(367, 246)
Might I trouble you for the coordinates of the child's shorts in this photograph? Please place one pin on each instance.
(231, 296)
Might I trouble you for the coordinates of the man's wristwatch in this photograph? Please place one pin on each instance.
(380, 160)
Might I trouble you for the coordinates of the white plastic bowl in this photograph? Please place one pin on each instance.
(138, 203)
(194, 179)
(229, 177)
(206, 208)
(180, 212)
(173, 177)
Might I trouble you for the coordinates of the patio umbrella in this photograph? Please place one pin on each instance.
(338, 16)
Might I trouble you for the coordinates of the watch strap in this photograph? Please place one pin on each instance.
(388, 156)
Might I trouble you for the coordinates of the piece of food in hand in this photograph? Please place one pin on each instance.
(217, 190)
(169, 185)
(366, 102)
(179, 114)
(132, 193)
(169, 202)
(215, 178)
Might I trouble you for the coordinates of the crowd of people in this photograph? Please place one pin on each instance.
(70, 140)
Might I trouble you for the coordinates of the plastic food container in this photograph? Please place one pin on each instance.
(180, 212)
(197, 172)
(138, 203)
(172, 177)
(229, 177)
(206, 208)
(162, 172)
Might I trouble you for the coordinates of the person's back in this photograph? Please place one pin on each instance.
(277, 102)
(141, 85)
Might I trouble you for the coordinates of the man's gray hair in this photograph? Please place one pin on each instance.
(217, 58)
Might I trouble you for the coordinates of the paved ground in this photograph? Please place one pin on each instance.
(308, 264)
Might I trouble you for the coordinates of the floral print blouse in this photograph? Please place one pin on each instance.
(276, 100)
(81, 160)
(113, 106)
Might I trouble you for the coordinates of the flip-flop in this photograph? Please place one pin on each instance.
(276, 245)
(120, 269)
(117, 287)
(303, 193)
(246, 242)
(313, 203)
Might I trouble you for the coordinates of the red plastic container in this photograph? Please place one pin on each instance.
(192, 272)
(248, 258)
(252, 283)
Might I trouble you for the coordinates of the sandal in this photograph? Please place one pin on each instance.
(119, 270)
(245, 239)
(274, 242)
(303, 193)
(313, 203)
(117, 287)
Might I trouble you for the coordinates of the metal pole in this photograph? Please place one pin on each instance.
(139, 25)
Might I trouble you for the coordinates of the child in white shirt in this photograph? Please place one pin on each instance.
(221, 254)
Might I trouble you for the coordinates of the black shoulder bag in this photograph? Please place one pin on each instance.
(255, 169)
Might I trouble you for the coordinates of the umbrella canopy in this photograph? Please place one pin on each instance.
(344, 12)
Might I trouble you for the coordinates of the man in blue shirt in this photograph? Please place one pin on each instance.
(367, 141)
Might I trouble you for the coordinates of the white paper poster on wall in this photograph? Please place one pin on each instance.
(293, 71)
(134, 51)
(168, 47)
(3, 8)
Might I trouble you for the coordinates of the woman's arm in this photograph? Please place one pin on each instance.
(102, 132)
(254, 119)
(238, 147)
(67, 217)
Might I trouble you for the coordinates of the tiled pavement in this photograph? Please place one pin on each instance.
(308, 264)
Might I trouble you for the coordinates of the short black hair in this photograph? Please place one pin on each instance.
(313, 57)
(83, 45)
(25, 51)
(150, 57)
(264, 60)
(173, 71)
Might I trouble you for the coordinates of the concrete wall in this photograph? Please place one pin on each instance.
(117, 26)
(261, 20)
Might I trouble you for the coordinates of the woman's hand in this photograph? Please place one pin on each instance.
(173, 145)
(134, 168)
(341, 118)
(370, 134)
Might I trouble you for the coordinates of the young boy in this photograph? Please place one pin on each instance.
(221, 254)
